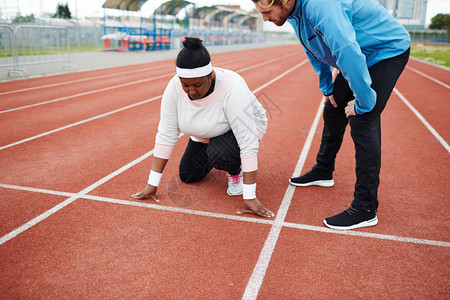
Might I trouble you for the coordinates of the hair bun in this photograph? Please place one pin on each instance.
(192, 43)
(193, 55)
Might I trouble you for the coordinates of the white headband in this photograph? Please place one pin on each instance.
(194, 73)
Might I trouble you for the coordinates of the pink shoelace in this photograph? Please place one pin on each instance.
(235, 179)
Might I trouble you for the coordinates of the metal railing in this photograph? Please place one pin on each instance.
(7, 48)
(34, 44)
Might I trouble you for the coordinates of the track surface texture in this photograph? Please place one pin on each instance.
(74, 147)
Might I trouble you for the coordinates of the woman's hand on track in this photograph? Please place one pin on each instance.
(147, 193)
(255, 207)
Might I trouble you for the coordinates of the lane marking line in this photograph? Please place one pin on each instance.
(138, 204)
(96, 77)
(68, 201)
(436, 141)
(79, 123)
(280, 76)
(83, 79)
(317, 131)
(259, 272)
(104, 68)
(369, 235)
(429, 77)
(178, 210)
(265, 63)
(131, 106)
(87, 93)
(51, 211)
(423, 120)
(429, 63)
(120, 86)
(36, 190)
(232, 217)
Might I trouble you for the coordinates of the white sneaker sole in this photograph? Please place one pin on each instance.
(368, 223)
(234, 194)
(322, 183)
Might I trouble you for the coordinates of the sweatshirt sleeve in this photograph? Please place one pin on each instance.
(333, 19)
(239, 111)
(168, 131)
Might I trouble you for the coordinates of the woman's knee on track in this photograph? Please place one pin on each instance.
(188, 177)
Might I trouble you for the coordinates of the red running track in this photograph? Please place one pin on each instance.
(74, 147)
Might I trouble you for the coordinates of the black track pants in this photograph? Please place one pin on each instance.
(365, 130)
(222, 152)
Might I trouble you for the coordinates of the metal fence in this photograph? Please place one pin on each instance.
(129, 39)
(86, 34)
(7, 47)
(33, 44)
(42, 44)
(430, 36)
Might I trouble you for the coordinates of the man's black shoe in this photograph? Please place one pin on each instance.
(352, 218)
(313, 177)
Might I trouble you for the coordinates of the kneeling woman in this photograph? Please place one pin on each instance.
(223, 119)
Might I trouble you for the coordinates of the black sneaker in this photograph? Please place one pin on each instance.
(352, 218)
(313, 177)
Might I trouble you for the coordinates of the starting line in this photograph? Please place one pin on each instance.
(220, 216)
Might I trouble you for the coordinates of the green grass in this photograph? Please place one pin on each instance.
(22, 52)
(73, 49)
(435, 54)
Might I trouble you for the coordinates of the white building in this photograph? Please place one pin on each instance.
(410, 13)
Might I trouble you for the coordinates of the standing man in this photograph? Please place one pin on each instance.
(370, 49)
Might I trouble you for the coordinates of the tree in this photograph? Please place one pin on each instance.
(63, 11)
(21, 19)
(440, 21)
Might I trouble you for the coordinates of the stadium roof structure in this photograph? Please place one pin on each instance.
(131, 5)
(202, 11)
(172, 7)
(212, 15)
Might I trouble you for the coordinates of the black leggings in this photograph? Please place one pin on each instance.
(222, 152)
(365, 130)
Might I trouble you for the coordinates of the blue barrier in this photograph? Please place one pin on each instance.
(165, 39)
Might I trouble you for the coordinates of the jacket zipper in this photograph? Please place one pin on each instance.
(301, 39)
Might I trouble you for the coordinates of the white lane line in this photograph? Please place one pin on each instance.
(88, 189)
(370, 235)
(84, 79)
(259, 272)
(139, 204)
(66, 202)
(266, 62)
(95, 77)
(78, 123)
(179, 210)
(233, 217)
(108, 88)
(87, 93)
(423, 120)
(130, 106)
(35, 190)
(429, 77)
(279, 76)
(430, 64)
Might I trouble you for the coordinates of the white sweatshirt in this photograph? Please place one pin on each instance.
(230, 106)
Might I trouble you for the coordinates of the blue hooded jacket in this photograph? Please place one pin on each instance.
(350, 35)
